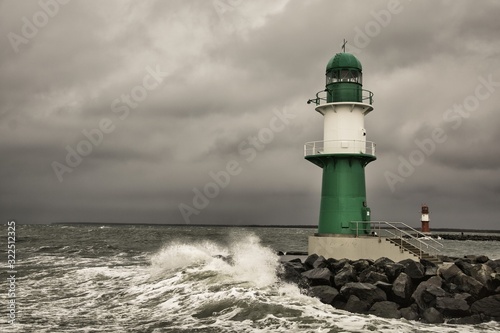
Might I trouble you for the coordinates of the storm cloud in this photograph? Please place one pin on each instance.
(124, 111)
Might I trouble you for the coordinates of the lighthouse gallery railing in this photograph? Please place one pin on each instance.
(339, 147)
(366, 95)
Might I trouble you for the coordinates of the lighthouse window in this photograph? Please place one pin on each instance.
(345, 75)
(332, 77)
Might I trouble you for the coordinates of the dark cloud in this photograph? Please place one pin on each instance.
(226, 72)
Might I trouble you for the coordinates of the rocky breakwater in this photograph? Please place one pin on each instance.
(462, 292)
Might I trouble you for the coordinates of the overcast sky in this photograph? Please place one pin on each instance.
(125, 111)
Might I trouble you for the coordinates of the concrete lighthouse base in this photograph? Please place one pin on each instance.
(354, 248)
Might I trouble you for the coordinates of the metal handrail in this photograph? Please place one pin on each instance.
(400, 237)
(366, 95)
(339, 146)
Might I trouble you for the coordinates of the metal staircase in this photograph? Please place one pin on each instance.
(403, 236)
(407, 246)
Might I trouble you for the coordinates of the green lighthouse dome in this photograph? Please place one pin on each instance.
(344, 79)
(343, 60)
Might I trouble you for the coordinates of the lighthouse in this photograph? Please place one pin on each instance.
(343, 154)
(344, 151)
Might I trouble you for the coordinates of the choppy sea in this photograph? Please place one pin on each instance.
(92, 278)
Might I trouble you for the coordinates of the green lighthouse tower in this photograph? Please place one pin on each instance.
(344, 151)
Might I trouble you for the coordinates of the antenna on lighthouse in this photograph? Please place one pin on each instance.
(343, 45)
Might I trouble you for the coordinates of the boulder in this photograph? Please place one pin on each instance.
(430, 268)
(452, 306)
(382, 262)
(493, 264)
(310, 260)
(449, 273)
(362, 275)
(453, 274)
(413, 269)
(410, 313)
(373, 277)
(386, 287)
(489, 306)
(402, 287)
(356, 305)
(432, 316)
(482, 259)
(484, 275)
(361, 265)
(319, 276)
(470, 285)
(385, 309)
(393, 270)
(426, 293)
(364, 291)
(464, 266)
(345, 275)
(290, 273)
(338, 265)
(326, 294)
(320, 262)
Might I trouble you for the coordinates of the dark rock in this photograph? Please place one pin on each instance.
(449, 273)
(426, 293)
(338, 265)
(453, 274)
(483, 274)
(392, 271)
(296, 260)
(451, 288)
(382, 262)
(386, 287)
(373, 277)
(310, 260)
(432, 316)
(320, 262)
(493, 263)
(402, 287)
(356, 305)
(365, 272)
(385, 309)
(289, 273)
(427, 263)
(482, 259)
(430, 268)
(319, 276)
(364, 291)
(430, 271)
(469, 320)
(326, 294)
(410, 313)
(361, 265)
(345, 275)
(297, 265)
(466, 297)
(464, 266)
(489, 306)
(470, 285)
(413, 269)
(452, 306)
(446, 259)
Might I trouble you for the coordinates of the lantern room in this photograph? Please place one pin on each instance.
(344, 79)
